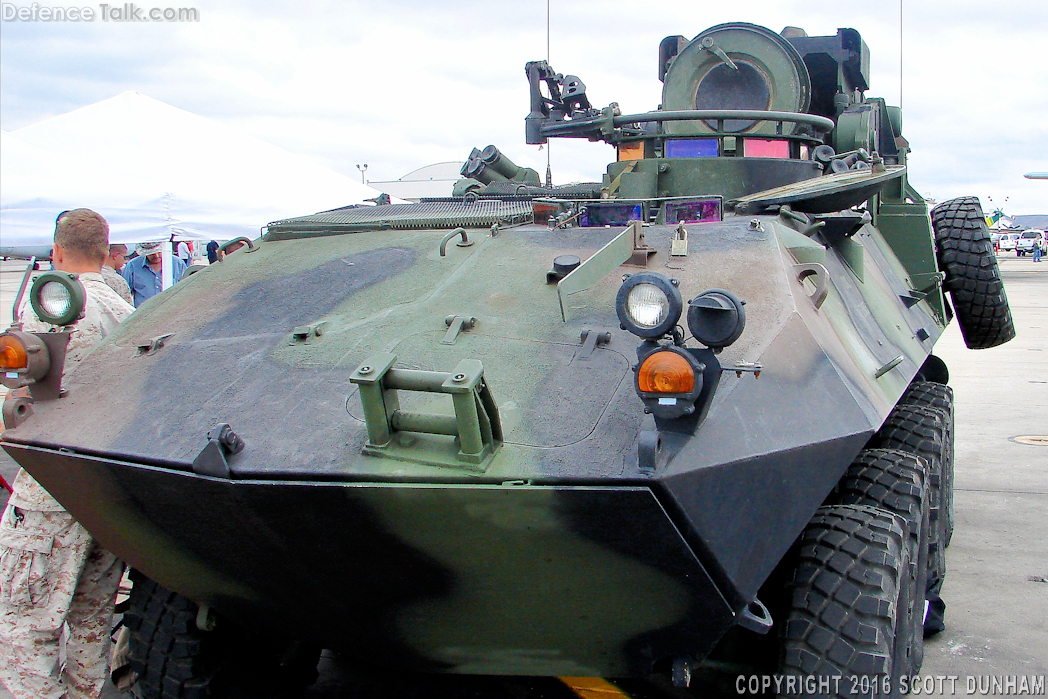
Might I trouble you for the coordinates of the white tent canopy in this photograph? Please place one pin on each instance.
(153, 171)
(37, 184)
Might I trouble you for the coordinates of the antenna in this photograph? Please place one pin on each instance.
(900, 54)
(549, 171)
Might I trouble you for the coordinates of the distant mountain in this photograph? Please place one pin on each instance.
(1032, 220)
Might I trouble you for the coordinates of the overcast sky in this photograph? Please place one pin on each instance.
(399, 84)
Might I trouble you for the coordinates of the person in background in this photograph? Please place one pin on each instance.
(212, 252)
(184, 253)
(111, 271)
(54, 576)
(144, 274)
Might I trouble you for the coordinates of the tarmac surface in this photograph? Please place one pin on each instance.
(997, 583)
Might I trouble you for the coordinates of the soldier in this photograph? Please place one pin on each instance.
(52, 573)
(111, 271)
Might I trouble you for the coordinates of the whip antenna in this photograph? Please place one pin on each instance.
(549, 170)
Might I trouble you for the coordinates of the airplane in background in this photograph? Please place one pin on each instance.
(25, 252)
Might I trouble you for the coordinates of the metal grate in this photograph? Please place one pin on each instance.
(580, 190)
(480, 213)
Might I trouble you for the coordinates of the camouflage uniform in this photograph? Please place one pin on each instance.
(52, 573)
(117, 283)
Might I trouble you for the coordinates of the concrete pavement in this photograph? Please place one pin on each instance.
(997, 565)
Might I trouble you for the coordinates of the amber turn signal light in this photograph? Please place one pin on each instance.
(13, 355)
(24, 359)
(666, 372)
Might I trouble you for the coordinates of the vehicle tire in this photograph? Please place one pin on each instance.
(973, 279)
(936, 395)
(896, 481)
(851, 577)
(921, 430)
(173, 659)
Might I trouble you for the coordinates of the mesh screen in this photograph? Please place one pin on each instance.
(428, 214)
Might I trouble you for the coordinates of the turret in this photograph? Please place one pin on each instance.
(743, 110)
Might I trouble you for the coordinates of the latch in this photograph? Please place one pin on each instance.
(888, 366)
(304, 333)
(679, 243)
(641, 250)
(222, 441)
(710, 45)
(590, 340)
(456, 325)
(421, 437)
(154, 344)
(927, 282)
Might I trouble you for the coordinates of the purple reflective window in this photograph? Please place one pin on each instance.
(611, 214)
(691, 148)
(694, 211)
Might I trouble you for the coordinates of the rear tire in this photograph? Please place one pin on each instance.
(173, 659)
(895, 481)
(965, 255)
(921, 431)
(851, 578)
(936, 395)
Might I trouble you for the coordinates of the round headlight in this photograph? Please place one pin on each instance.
(58, 298)
(648, 304)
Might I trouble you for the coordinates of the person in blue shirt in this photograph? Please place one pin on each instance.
(144, 274)
(212, 252)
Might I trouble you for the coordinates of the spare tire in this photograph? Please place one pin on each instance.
(965, 255)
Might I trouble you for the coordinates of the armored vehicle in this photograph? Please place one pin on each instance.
(683, 420)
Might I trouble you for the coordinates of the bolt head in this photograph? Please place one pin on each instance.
(365, 370)
(458, 378)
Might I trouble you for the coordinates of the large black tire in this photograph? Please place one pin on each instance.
(896, 481)
(965, 255)
(173, 659)
(851, 577)
(921, 431)
(932, 394)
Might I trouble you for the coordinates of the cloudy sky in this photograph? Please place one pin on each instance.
(400, 84)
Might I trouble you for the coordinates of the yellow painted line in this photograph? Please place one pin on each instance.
(593, 687)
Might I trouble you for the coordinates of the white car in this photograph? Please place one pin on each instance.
(1007, 241)
(1029, 240)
